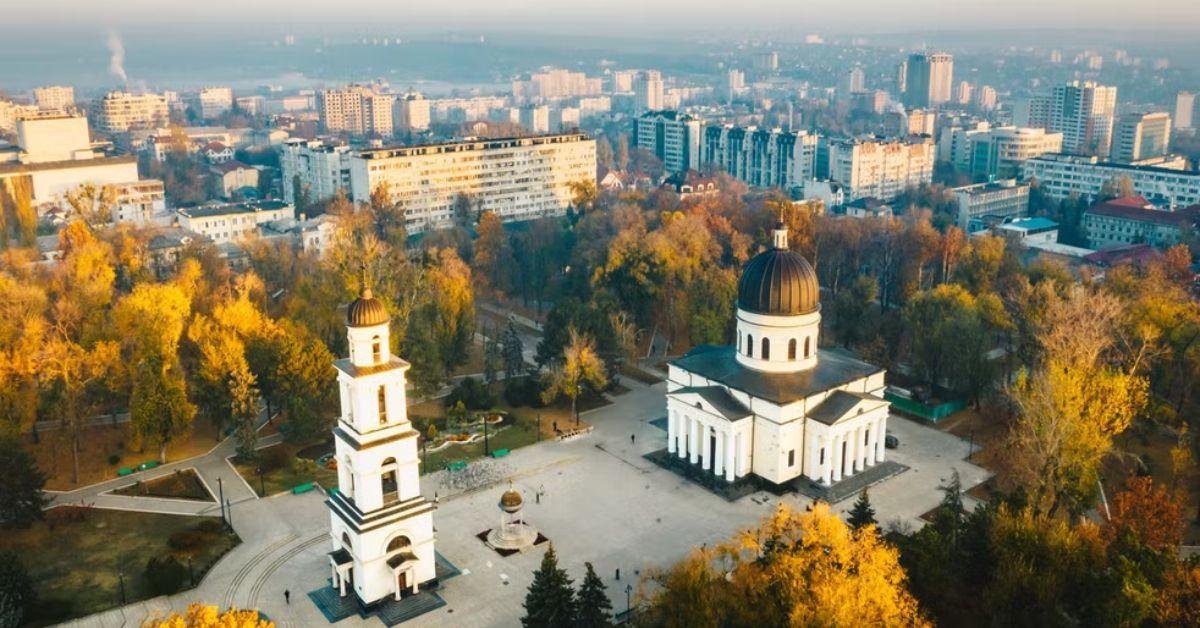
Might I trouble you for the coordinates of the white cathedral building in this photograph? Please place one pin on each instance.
(380, 525)
(775, 405)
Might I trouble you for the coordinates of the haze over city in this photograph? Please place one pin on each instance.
(587, 314)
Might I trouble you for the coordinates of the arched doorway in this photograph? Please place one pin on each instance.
(403, 562)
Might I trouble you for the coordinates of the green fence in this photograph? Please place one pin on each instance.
(927, 412)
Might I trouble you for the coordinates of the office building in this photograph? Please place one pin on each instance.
(1060, 176)
(535, 118)
(880, 168)
(119, 112)
(410, 113)
(671, 136)
(1185, 110)
(1141, 136)
(54, 97)
(317, 169)
(998, 153)
(761, 157)
(648, 92)
(1082, 111)
(1134, 220)
(213, 102)
(985, 204)
(233, 222)
(517, 178)
(929, 77)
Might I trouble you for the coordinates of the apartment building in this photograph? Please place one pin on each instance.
(464, 109)
(355, 110)
(233, 222)
(1140, 136)
(119, 112)
(929, 78)
(320, 169)
(410, 113)
(671, 136)
(998, 153)
(761, 157)
(535, 118)
(648, 92)
(213, 102)
(880, 168)
(556, 84)
(1083, 111)
(1060, 176)
(518, 178)
(54, 97)
(985, 204)
(1185, 110)
(140, 202)
(1134, 220)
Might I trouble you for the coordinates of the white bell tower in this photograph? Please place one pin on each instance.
(380, 525)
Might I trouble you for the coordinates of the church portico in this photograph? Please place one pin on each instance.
(704, 426)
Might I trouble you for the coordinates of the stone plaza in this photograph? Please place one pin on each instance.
(600, 502)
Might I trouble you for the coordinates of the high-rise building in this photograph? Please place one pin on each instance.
(517, 178)
(874, 101)
(1141, 136)
(929, 79)
(918, 122)
(880, 168)
(410, 113)
(985, 98)
(119, 111)
(854, 82)
(1185, 110)
(671, 136)
(648, 91)
(998, 153)
(535, 118)
(737, 83)
(766, 61)
(962, 93)
(212, 102)
(1082, 111)
(902, 77)
(761, 157)
(556, 84)
(315, 169)
(54, 97)
(356, 110)
(622, 81)
(564, 119)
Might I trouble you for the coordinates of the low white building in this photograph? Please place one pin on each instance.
(1060, 176)
(775, 405)
(232, 222)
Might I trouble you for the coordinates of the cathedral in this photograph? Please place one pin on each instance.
(381, 527)
(774, 404)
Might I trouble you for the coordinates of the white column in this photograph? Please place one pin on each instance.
(719, 455)
(862, 447)
(706, 442)
(835, 457)
(873, 435)
(693, 440)
(731, 456)
(826, 468)
(880, 443)
(848, 459)
(671, 431)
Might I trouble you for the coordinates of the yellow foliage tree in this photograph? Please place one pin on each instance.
(581, 366)
(206, 616)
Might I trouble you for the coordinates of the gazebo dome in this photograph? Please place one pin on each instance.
(779, 282)
(511, 501)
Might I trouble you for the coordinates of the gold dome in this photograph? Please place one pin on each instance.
(511, 501)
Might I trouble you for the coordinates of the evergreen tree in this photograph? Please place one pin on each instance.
(16, 591)
(862, 514)
(593, 609)
(21, 482)
(550, 602)
(513, 351)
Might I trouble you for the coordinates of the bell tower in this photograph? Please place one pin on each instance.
(381, 527)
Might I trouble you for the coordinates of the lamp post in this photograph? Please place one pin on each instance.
(628, 604)
(539, 427)
(121, 578)
(221, 499)
(575, 402)
(487, 450)
(262, 487)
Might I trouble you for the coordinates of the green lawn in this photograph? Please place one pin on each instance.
(518, 434)
(182, 484)
(282, 470)
(75, 557)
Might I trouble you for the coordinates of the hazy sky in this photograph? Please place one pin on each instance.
(616, 16)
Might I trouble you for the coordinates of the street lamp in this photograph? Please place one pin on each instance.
(575, 402)
(539, 427)
(121, 577)
(262, 487)
(487, 451)
(628, 604)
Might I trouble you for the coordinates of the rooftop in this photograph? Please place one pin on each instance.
(470, 145)
(1139, 209)
(225, 209)
(834, 368)
(1035, 224)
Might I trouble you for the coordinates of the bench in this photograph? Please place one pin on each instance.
(124, 471)
(333, 492)
(457, 465)
(149, 464)
(499, 453)
(303, 488)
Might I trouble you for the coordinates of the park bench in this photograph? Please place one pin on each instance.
(149, 464)
(124, 471)
(499, 453)
(303, 488)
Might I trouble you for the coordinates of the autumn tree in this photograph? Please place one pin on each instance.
(580, 367)
(159, 409)
(204, 616)
(793, 569)
(950, 333)
(93, 203)
(443, 323)
(493, 262)
(75, 371)
(550, 602)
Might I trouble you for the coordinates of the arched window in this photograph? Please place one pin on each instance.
(792, 349)
(346, 542)
(398, 544)
(766, 349)
(749, 346)
(382, 405)
(807, 346)
(376, 350)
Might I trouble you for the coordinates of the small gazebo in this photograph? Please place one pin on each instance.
(513, 533)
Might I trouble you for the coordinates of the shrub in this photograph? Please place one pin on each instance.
(113, 459)
(187, 541)
(276, 457)
(523, 391)
(165, 575)
(473, 393)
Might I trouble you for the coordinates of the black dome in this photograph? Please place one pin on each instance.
(779, 282)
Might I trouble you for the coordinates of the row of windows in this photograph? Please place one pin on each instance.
(766, 348)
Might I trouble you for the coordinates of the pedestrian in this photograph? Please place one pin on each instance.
(555, 424)
(287, 596)
(632, 437)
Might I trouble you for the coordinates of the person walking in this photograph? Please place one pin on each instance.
(632, 438)
(287, 596)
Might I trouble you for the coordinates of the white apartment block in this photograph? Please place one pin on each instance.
(999, 152)
(356, 110)
(985, 98)
(882, 169)
(1060, 176)
(648, 92)
(518, 178)
(1141, 136)
(1185, 110)
(464, 109)
(761, 157)
(140, 202)
(322, 169)
(671, 136)
(564, 119)
(119, 112)
(622, 81)
(10, 112)
(990, 202)
(410, 113)
(213, 102)
(556, 84)
(233, 222)
(594, 105)
(535, 118)
(54, 97)
(1083, 111)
